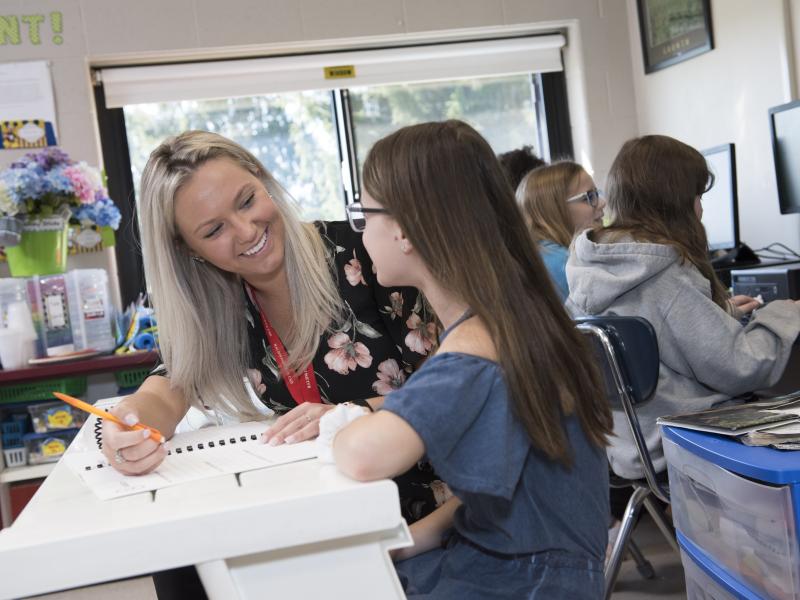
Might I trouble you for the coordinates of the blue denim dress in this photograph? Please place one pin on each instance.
(527, 527)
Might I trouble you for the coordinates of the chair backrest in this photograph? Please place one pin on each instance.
(627, 351)
(635, 348)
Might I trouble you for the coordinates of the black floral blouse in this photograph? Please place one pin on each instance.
(386, 333)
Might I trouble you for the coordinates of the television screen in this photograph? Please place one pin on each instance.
(719, 203)
(785, 126)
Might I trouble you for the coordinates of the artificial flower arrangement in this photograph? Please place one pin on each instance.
(47, 184)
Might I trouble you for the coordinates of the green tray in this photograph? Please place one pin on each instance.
(42, 390)
(132, 378)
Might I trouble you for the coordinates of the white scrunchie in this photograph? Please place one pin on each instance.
(330, 424)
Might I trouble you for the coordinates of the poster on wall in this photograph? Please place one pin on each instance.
(673, 31)
(27, 105)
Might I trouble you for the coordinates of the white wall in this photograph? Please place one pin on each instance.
(722, 96)
(117, 31)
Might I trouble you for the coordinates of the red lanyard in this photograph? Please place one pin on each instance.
(303, 388)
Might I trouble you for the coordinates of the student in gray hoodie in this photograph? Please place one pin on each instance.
(652, 261)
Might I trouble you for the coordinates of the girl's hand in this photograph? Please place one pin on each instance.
(299, 424)
(130, 452)
(743, 305)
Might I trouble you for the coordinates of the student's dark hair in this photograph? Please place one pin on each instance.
(652, 186)
(518, 163)
(447, 191)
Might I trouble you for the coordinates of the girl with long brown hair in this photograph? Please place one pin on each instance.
(652, 261)
(559, 200)
(509, 410)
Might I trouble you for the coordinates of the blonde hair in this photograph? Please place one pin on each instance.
(202, 331)
(542, 194)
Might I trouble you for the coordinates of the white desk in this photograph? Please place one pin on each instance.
(296, 531)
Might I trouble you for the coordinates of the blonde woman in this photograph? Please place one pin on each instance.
(558, 201)
(242, 288)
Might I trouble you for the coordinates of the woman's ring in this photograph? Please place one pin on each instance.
(308, 418)
(118, 458)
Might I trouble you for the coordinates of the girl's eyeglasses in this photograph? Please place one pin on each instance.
(592, 197)
(356, 214)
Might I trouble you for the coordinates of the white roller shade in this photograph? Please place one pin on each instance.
(250, 77)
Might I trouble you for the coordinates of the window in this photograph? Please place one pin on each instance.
(292, 134)
(312, 133)
(502, 109)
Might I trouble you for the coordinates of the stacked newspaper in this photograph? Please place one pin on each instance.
(774, 422)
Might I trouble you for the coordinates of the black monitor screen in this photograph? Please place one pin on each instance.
(719, 203)
(785, 125)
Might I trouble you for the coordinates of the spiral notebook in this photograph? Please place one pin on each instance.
(192, 456)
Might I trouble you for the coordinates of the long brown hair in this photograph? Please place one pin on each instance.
(652, 186)
(542, 194)
(446, 189)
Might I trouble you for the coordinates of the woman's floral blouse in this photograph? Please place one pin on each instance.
(386, 333)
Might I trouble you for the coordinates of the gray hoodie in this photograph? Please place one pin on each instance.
(707, 356)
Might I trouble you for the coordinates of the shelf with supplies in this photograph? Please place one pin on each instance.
(27, 392)
(97, 364)
(26, 473)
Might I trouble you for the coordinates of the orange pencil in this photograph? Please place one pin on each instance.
(155, 434)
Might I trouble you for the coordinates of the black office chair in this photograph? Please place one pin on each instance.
(627, 351)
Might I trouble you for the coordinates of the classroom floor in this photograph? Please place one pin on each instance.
(668, 584)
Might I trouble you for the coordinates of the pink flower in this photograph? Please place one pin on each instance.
(390, 377)
(346, 355)
(396, 309)
(422, 335)
(255, 379)
(352, 270)
(84, 180)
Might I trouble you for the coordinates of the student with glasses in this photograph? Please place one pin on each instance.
(559, 200)
(506, 410)
(244, 289)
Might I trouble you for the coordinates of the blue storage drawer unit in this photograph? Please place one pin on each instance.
(706, 580)
(740, 506)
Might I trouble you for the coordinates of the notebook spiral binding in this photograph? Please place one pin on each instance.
(98, 432)
(181, 449)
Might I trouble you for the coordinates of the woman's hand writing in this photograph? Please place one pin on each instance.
(130, 452)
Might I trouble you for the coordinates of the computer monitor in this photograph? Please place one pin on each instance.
(720, 211)
(784, 123)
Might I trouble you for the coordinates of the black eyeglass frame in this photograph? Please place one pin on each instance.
(357, 207)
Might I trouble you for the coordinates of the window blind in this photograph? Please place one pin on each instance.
(249, 77)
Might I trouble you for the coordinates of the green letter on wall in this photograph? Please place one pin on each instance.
(9, 30)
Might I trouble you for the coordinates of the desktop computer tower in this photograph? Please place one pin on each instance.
(771, 283)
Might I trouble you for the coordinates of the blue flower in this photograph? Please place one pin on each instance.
(43, 182)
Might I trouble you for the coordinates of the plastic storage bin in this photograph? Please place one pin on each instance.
(131, 379)
(706, 580)
(746, 526)
(42, 390)
(15, 457)
(48, 447)
(55, 416)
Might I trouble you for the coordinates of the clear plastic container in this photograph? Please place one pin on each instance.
(48, 447)
(747, 527)
(55, 416)
(90, 309)
(699, 585)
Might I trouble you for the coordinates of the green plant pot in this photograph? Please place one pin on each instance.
(42, 250)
